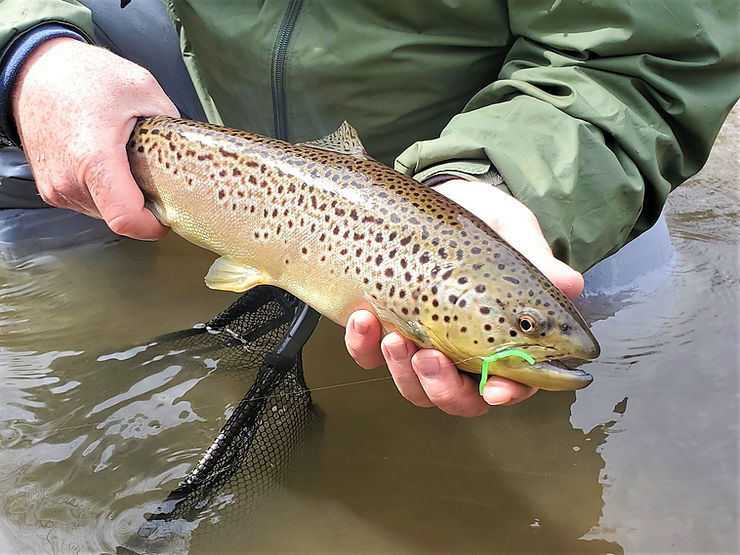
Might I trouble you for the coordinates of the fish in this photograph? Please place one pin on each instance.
(341, 231)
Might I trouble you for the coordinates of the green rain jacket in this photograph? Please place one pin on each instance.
(591, 110)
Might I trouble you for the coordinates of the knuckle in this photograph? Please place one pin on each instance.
(416, 398)
(446, 398)
(52, 198)
(122, 224)
(140, 77)
(50, 194)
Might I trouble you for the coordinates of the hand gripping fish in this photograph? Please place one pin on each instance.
(342, 231)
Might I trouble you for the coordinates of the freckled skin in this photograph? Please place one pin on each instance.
(343, 232)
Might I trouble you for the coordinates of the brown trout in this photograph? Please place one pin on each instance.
(341, 232)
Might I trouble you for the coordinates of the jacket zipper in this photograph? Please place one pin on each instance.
(280, 117)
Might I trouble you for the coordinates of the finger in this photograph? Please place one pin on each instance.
(518, 225)
(119, 199)
(502, 392)
(569, 281)
(362, 339)
(398, 352)
(535, 248)
(451, 391)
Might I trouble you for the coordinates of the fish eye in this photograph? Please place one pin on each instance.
(527, 323)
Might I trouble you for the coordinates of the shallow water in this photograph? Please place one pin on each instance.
(98, 424)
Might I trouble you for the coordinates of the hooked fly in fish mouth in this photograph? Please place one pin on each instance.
(475, 324)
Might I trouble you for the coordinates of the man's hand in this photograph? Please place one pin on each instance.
(75, 106)
(428, 378)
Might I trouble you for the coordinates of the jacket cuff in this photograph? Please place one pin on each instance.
(11, 65)
(481, 171)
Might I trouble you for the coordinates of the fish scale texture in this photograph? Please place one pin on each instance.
(343, 232)
(253, 451)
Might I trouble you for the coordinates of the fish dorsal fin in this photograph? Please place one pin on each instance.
(344, 140)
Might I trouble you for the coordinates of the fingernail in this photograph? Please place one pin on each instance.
(428, 366)
(495, 395)
(360, 326)
(397, 349)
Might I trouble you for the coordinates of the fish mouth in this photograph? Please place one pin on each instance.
(551, 375)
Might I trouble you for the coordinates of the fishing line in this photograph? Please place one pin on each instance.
(484, 376)
(255, 399)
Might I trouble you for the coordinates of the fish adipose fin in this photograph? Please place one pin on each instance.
(344, 140)
(228, 275)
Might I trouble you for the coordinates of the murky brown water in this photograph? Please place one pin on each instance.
(643, 460)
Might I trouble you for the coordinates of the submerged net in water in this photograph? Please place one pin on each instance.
(262, 335)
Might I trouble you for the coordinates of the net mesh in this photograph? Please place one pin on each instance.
(261, 334)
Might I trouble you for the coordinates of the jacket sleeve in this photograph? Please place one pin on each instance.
(600, 109)
(19, 16)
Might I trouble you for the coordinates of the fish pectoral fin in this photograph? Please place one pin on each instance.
(392, 321)
(344, 140)
(227, 274)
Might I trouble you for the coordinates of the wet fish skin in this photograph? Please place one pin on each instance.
(342, 232)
